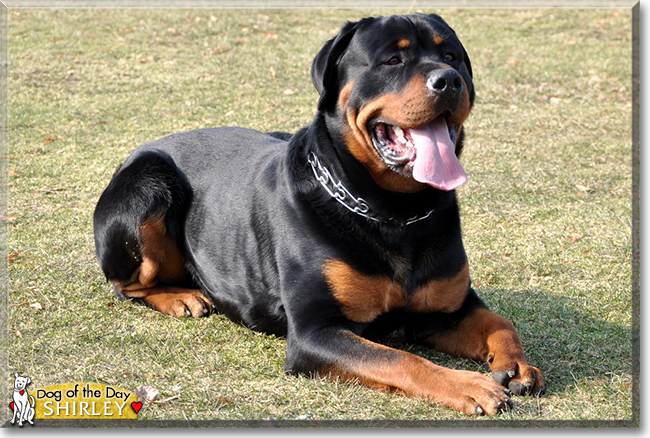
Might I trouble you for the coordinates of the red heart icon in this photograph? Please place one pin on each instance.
(22, 392)
(136, 406)
(11, 405)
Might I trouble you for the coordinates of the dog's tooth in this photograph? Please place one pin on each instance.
(399, 132)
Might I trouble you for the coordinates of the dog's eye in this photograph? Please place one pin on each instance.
(395, 60)
(449, 57)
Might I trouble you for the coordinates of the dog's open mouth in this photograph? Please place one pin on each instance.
(427, 153)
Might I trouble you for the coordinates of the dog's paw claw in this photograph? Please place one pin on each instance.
(500, 377)
(528, 381)
(517, 388)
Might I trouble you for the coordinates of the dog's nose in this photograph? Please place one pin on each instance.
(445, 82)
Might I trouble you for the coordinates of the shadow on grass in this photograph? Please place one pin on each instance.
(561, 336)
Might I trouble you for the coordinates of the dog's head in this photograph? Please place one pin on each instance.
(20, 382)
(400, 88)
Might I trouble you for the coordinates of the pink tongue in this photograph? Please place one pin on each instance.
(436, 163)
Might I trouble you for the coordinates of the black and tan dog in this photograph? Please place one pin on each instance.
(334, 236)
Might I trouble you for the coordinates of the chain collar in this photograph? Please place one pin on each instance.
(343, 196)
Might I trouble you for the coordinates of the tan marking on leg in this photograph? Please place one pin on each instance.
(162, 266)
(148, 270)
(160, 256)
(475, 335)
(413, 376)
(174, 301)
(484, 335)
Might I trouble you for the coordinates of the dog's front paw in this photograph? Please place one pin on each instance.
(473, 394)
(518, 376)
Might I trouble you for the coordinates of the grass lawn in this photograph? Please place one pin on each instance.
(547, 211)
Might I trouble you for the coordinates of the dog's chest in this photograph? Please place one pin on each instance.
(363, 298)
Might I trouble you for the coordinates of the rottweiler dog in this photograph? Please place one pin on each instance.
(333, 236)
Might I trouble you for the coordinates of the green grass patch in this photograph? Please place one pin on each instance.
(546, 212)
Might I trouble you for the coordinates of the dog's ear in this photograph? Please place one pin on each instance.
(16, 375)
(324, 68)
(28, 381)
(468, 64)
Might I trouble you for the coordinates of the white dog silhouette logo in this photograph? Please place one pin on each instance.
(23, 403)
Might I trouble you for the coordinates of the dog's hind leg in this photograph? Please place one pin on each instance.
(174, 301)
(158, 279)
(138, 221)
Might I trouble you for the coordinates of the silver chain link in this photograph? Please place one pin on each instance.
(338, 191)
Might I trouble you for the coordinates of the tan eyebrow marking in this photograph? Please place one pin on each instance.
(403, 43)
